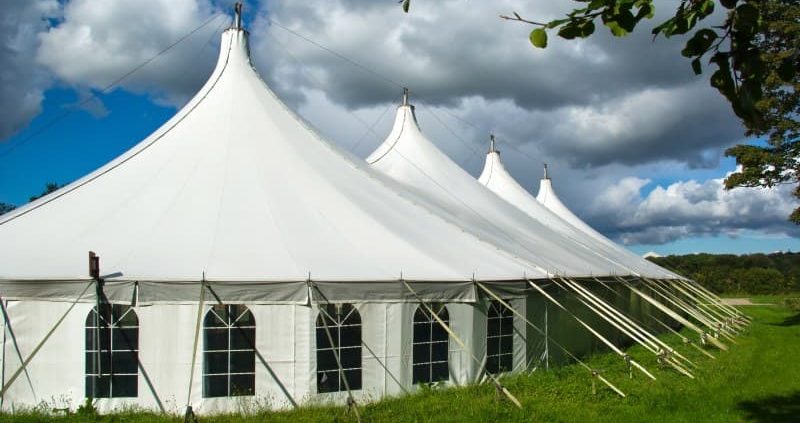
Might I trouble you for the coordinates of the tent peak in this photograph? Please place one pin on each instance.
(237, 15)
(545, 172)
(492, 148)
(405, 96)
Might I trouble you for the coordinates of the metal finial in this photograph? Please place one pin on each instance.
(492, 148)
(237, 11)
(405, 96)
(545, 172)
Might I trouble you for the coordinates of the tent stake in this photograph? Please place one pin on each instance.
(461, 344)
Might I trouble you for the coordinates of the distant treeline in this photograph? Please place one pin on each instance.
(746, 274)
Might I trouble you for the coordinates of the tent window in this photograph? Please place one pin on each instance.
(499, 338)
(342, 324)
(430, 345)
(112, 352)
(229, 355)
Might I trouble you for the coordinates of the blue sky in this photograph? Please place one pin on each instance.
(634, 183)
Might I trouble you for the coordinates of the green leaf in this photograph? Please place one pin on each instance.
(697, 67)
(699, 43)
(728, 4)
(406, 4)
(538, 38)
(616, 29)
(786, 70)
(569, 31)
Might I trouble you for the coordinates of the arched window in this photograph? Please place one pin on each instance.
(338, 332)
(499, 338)
(112, 352)
(229, 354)
(431, 344)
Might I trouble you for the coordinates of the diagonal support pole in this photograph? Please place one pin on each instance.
(593, 332)
(33, 353)
(461, 344)
(544, 333)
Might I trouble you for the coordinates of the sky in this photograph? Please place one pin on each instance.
(634, 140)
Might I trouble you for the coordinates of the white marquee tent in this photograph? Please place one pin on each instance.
(245, 262)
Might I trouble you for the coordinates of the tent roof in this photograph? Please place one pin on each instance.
(411, 159)
(551, 211)
(236, 187)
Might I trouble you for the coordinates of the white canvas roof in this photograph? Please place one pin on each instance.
(411, 159)
(235, 186)
(551, 211)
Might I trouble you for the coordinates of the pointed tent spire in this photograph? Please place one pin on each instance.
(405, 96)
(545, 172)
(492, 148)
(237, 12)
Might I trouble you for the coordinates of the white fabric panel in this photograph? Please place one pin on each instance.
(411, 159)
(550, 211)
(237, 187)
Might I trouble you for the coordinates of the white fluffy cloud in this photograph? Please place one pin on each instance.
(98, 42)
(690, 208)
(22, 83)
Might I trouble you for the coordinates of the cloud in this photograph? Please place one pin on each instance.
(690, 209)
(96, 44)
(22, 84)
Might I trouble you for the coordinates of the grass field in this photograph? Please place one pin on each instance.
(757, 380)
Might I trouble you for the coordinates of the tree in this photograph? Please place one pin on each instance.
(48, 188)
(756, 56)
(5, 208)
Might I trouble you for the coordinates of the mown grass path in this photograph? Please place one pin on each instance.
(757, 380)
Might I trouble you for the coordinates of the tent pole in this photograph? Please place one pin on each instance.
(461, 344)
(592, 331)
(714, 298)
(10, 331)
(680, 305)
(729, 321)
(700, 316)
(657, 320)
(546, 339)
(189, 414)
(675, 316)
(33, 353)
(351, 402)
(660, 348)
(544, 332)
(635, 332)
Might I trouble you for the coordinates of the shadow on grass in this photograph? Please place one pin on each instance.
(789, 321)
(776, 408)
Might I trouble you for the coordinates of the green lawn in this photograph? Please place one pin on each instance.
(757, 380)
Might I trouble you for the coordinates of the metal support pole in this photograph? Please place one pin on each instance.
(461, 344)
(189, 414)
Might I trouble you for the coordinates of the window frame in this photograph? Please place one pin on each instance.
(339, 318)
(498, 359)
(426, 346)
(226, 319)
(103, 329)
